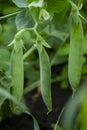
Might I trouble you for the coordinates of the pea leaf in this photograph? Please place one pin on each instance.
(85, 44)
(72, 107)
(57, 5)
(3, 97)
(21, 105)
(4, 58)
(63, 50)
(5, 83)
(21, 3)
(24, 19)
(84, 113)
(45, 77)
(0, 29)
(54, 32)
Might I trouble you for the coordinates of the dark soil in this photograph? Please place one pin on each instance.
(38, 109)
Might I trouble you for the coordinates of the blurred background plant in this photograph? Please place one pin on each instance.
(53, 24)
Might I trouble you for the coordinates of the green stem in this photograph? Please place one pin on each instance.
(55, 128)
(31, 87)
(9, 15)
(74, 6)
(37, 83)
(20, 33)
(29, 52)
(58, 79)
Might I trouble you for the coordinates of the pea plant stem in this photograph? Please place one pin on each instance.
(29, 52)
(31, 87)
(55, 127)
(9, 15)
(37, 83)
(58, 79)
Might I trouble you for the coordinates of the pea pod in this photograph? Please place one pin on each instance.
(45, 77)
(17, 71)
(75, 53)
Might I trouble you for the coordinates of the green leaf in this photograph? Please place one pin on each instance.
(71, 109)
(54, 32)
(24, 20)
(22, 106)
(0, 29)
(83, 114)
(45, 78)
(5, 83)
(4, 59)
(57, 5)
(85, 44)
(58, 60)
(63, 50)
(20, 3)
(3, 97)
(61, 55)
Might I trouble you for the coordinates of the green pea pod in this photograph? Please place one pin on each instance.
(75, 54)
(45, 78)
(17, 71)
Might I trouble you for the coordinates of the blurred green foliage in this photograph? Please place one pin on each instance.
(53, 27)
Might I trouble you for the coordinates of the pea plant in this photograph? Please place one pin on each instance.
(40, 35)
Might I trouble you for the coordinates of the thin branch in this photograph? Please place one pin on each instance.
(9, 15)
